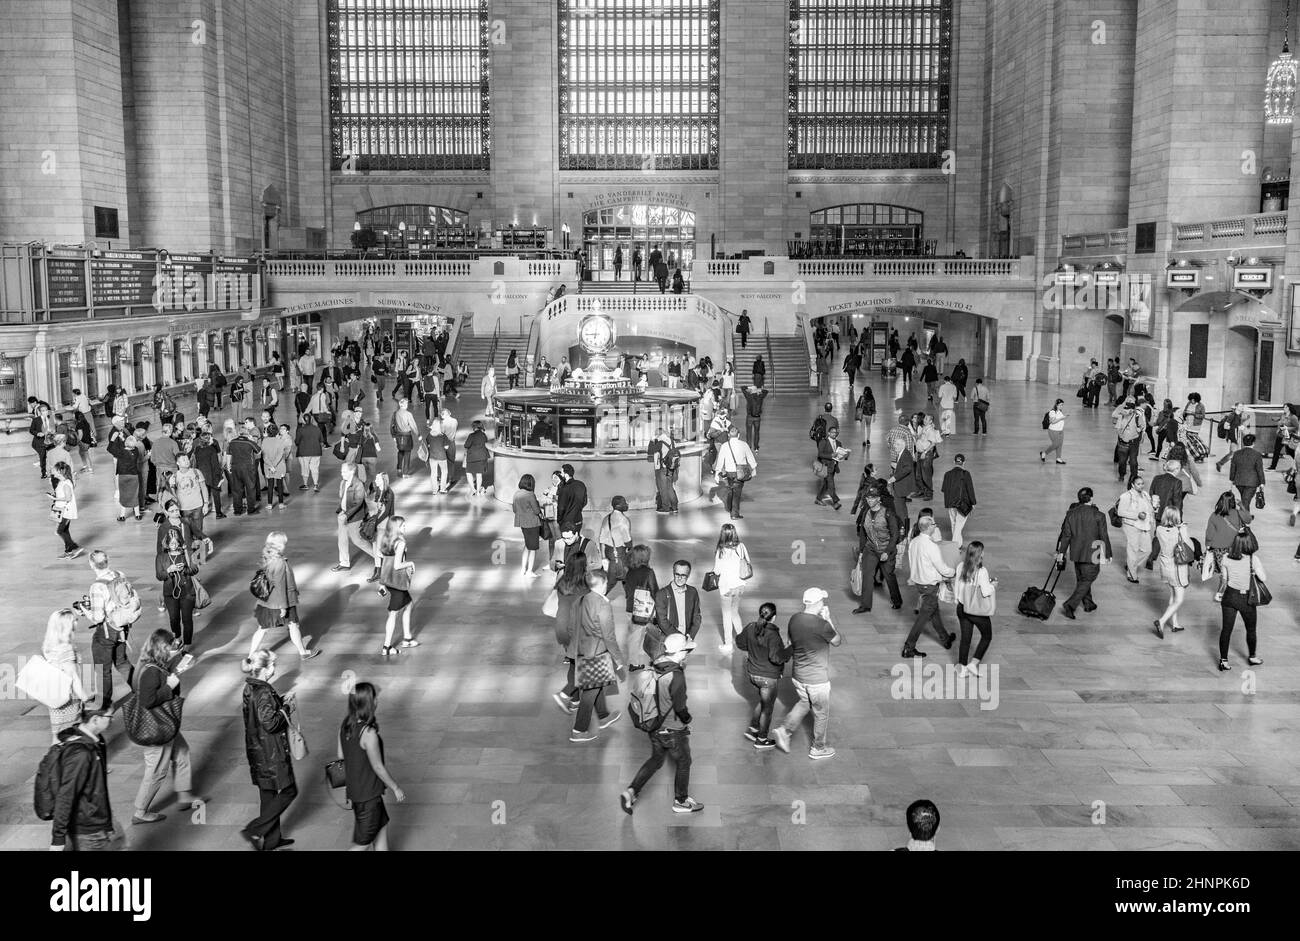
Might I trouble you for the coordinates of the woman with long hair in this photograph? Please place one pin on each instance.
(64, 508)
(528, 517)
(1221, 530)
(732, 566)
(1239, 565)
(175, 568)
(1166, 422)
(865, 412)
(362, 751)
(550, 506)
(395, 583)
(512, 369)
(266, 742)
(729, 384)
(569, 589)
(1171, 533)
(380, 503)
(280, 607)
(59, 652)
(976, 603)
(157, 681)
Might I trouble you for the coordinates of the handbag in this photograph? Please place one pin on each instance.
(405, 440)
(336, 775)
(297, 743)
(152, 727)
(544, 529)
(1209, 565)
(711, 581)
(422, 452)
(201, 597)
(819, 469)
(1259, 499)
(1115, 518)
(551, 606)
(1184, 554)
(370, 528)
(44, 682)
(260, 586)
(746, 569)
(1258, 593)
(595, 672)
(394, 577)
(855, 575)
(946, 594)
(743, 471)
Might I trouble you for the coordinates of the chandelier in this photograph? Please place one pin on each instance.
(1280, 85)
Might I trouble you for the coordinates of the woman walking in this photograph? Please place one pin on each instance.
(570, 587)
(362, 751)
(732, 566)
(380, 505)
(1054, 422)
(59, 652)
(127, 459)
(595, 643)
(976, 593)
(395, 583)
(276, 448)
(640, 586)
(174, 567)
(1138, 515)
(614, 538)
(1221, 530)
(280, 606)
(64, 508)
(865, 412)
(764, 662)
(729, 384)
(487, 389)
(512, 369)
(157, 681)
(266, 742)
(1175, 555)
(1166, 424)
(528, 517)
(476, 457)
(1239, 566)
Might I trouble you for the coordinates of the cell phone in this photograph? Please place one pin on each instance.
(186, 662)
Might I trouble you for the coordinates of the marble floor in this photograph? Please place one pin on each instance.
(1103, 736)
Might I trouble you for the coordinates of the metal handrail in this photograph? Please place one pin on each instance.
(770, 377)
(492, 349)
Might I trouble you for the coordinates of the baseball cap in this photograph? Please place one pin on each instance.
(676, 643)
(814, 595)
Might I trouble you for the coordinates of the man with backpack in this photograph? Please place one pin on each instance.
(112, 606)
(657, 705)
(666, 459)
(72, 787)
(191, 492)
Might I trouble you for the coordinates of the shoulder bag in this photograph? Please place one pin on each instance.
(394, 576)
(711, 581)
(1184, 554)
(1258, 593)
(297, 742)
(819, 469)
(746, 568)
(152, 727)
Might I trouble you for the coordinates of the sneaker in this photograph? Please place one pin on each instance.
(340, 568)
(610, 719)
(1042, 457)
(751, 733)
(826, 752)
(974, 666)
(564, 702)
(764, 744)
(577, 736)
(688, 806)
(724, 649)
(304, 487)
(782, 739)
(148, 818)
(1254, 661)
(627, 799)
(963, 671)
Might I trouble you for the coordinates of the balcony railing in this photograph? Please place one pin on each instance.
(1112, 242)
(404, 269)
(762, 268)
(1267, 229)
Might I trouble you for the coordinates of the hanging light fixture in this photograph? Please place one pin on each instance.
(1280, 86)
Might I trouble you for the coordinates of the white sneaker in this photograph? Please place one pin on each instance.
(974, 666)
(964, 671)
(724, 649)
(782, 739)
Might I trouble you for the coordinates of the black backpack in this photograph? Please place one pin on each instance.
(673, 459)
(1047, 420)
(49, 773)
(818, 429)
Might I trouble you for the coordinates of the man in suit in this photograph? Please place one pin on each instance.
(1246, 472)
(677, 606)
(958, 496)
(1167, 489)
(1086, 540)
(570, 499)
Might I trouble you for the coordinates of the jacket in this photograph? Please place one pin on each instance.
(81, 804)
(666, 611)
(175, 584)
(959, 491)
(275, 456)
(892, 524)
(596, 628)
(352, 501)
(207, 459)
(1169, 490)
(1084, 526)
(242, 452)
(266, 736)
(766, 654)
(527, 511)
(570, 499)
(124, 455)
(754, 402)
(308, 440)
(284, 587)
(1131, 503)
(1247, 468)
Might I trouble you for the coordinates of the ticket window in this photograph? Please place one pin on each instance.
(577, 431)
(512, 428)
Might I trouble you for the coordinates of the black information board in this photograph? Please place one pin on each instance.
(65, 282)
(122, 279)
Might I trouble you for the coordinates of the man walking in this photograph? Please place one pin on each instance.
(754, 396)
(83, 819)
(1246, 471)
(927, 569)
(979, 401)
(351, 514)
(812, 634)
(1086, 541)
(108, 645)
(672, 737)
(735, 465)
(1129, 422)
(958, 496)
(878, 530)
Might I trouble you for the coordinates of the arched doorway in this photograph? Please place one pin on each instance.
(1240, 345)
(1112, 336)
(637, 226)
(1225, 345)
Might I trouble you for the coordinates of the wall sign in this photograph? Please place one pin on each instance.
(1183, 278)
(1252, 278)
(65, 282)
(1293, 328)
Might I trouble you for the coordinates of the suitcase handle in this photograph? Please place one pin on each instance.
(1056, 569)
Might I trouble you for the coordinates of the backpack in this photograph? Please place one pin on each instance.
(643, 606)
(818, 429)
(673, 459)
(645, 700)
(1047, 420)
(219, 380)
(237, 391)
(260, 586)
(49, 774)
(124, 605)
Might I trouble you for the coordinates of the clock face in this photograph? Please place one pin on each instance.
(596, 334)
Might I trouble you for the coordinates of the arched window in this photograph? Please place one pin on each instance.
(415, 226)
(869, 229)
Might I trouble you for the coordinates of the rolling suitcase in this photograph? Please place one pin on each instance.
(1040, 602)
(1197, 447)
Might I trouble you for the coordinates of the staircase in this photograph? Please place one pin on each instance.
(474, 350)
(787, 365)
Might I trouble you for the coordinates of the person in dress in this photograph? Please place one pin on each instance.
(395, 583)
(362, 752)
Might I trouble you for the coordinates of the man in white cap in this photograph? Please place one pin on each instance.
(659, 709)
(811, 636)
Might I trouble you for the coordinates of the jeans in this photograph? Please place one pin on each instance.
(351, 532)
(735, 489)
(158, 761)
(110, 656)
(1278, 450)
(403, 462)
(1234, 603)
(1128, 454)
(1058, 443)
(761, 717)
(439, 474)
(665, 494)
(664, 743)
(752, 425)
(871, 564)
(64, 532)
(925, 474)
(273, 805)
(1085, 573)
(966, 622)
(591, 698)
(309, 469)
(814, 696)
(929, 614)
(195, 518)
(104, 841)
